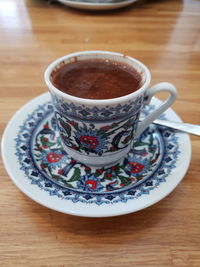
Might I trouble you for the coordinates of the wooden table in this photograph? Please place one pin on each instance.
(165, 36)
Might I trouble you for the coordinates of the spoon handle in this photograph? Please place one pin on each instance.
(183, 127)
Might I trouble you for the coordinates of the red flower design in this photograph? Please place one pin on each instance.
(144, 154)
(53, 157)
(92, 183)
(136, 167)
(42, 166)
(73, 123)
(39, 148)
(60, 171)
(108, 175)
(89, 140)
(113, 168)
(46, 139)
(46, 126)
(106, 128)
(87, 168)
(99, 171)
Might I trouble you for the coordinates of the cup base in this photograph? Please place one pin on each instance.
(99, 161)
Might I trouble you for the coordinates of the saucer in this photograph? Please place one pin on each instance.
(36, 162)
(92, 5)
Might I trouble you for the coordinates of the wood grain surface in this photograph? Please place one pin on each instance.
(165, 35)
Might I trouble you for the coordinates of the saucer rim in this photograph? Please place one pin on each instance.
(96, 6)
(89, 210)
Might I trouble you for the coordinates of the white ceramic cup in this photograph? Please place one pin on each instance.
(101, 132)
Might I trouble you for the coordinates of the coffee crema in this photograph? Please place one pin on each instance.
(96, 79)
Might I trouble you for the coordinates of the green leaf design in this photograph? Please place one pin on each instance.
(136, 144)
(66, 183)
(60, 179)
(97, 174)
(46, 143)
(76, 175)
(125, 180)
(118, 168)
(45, 165)
(55, 176)
(101, 132)
(66, 127)
(105, 177)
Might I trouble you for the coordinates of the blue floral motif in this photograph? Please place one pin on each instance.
(91, 141)
(54, 159)
(137, 165)
(89, 185)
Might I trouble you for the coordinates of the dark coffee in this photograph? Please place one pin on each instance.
(96, 79)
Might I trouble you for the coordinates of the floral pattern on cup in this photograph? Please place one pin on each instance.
(84, 137)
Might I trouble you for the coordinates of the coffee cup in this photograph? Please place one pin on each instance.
(100, 132)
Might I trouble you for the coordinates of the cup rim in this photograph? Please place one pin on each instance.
(86, 101)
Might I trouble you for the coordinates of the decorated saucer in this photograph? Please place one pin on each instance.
(97, 5)
(36, 162)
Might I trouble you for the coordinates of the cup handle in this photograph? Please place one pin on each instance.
(159, 87)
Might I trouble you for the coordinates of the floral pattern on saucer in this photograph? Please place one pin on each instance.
(47, 165)
(51, 158)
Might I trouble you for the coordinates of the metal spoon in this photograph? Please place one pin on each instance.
(183, 127)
